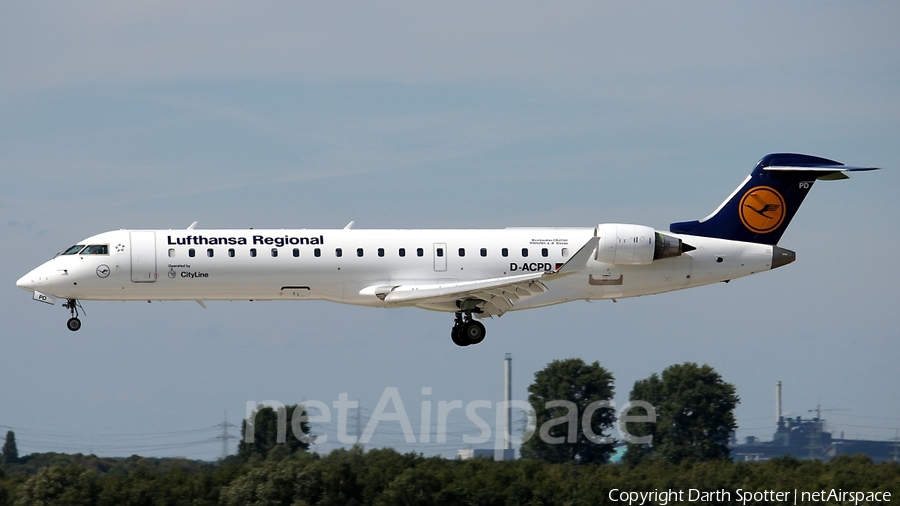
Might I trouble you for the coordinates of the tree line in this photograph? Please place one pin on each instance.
(679, 432)
(386, 477)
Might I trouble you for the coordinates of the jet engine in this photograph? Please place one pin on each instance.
(622, 244)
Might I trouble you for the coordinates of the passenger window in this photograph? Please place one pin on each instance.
(317, 252)
(274, 252)
(338, 252)
(545, 252)
(191, 252)
(231, 252)
(440, 252)
(402, 252)
(296, 252)
(565, 252)
(171, 252)
(484, 252)
(359, 252)
(420, 252)
(381, 252)
(524, 252)
(209, 252)
(252, 252)
(504, 252)
(462, 252)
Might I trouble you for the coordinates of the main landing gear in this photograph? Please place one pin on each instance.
(73, 323)
(467, 331)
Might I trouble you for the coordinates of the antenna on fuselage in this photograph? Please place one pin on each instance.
(349, 225)
(192, 225)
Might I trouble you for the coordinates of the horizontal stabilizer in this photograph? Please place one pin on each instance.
(823, 173)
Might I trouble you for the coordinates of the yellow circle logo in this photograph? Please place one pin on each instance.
(762, 209)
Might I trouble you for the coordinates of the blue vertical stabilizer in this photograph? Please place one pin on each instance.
(761, 208)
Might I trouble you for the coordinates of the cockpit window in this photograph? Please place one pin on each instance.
(73, 250)
(96, 249)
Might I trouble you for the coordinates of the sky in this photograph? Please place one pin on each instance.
(439, 115)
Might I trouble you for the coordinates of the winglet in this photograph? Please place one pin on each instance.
(579, 261)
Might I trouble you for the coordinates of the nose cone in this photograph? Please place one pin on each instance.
(36, 277)
(782, 256)
(26, 282)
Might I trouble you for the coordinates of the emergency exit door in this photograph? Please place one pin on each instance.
(440, 257)
(143, 257)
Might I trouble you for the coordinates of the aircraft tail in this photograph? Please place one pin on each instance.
(761, 208)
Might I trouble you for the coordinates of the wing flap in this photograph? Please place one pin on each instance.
(501, 303)
(452, 291)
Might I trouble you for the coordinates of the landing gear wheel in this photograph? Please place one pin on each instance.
(73, 324)
(458, 338)
(456, 333)
(473, 332)
(73, 305)
(467, 331)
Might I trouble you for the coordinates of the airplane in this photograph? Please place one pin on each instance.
(474, 274)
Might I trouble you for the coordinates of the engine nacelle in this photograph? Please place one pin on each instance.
(622, 244)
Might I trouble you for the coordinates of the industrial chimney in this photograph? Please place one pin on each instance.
(507, 396)
(777, 402)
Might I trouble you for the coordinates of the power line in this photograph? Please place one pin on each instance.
(873, 417)
(114, 442)
(146, 435)
(121, 448)
(863, 426)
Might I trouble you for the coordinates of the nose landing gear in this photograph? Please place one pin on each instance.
(467, 331)
(73, 306)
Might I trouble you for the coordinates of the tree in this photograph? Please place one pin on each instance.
(265, 425)
(10, 451)
(694, 415)
(562, 393)
(64, 486)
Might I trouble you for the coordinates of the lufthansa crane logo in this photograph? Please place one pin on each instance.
(762, 209)
(103, 270)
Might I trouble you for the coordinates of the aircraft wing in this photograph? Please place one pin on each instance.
(494, 296)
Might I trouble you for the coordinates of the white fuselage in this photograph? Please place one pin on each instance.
(346, 265)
